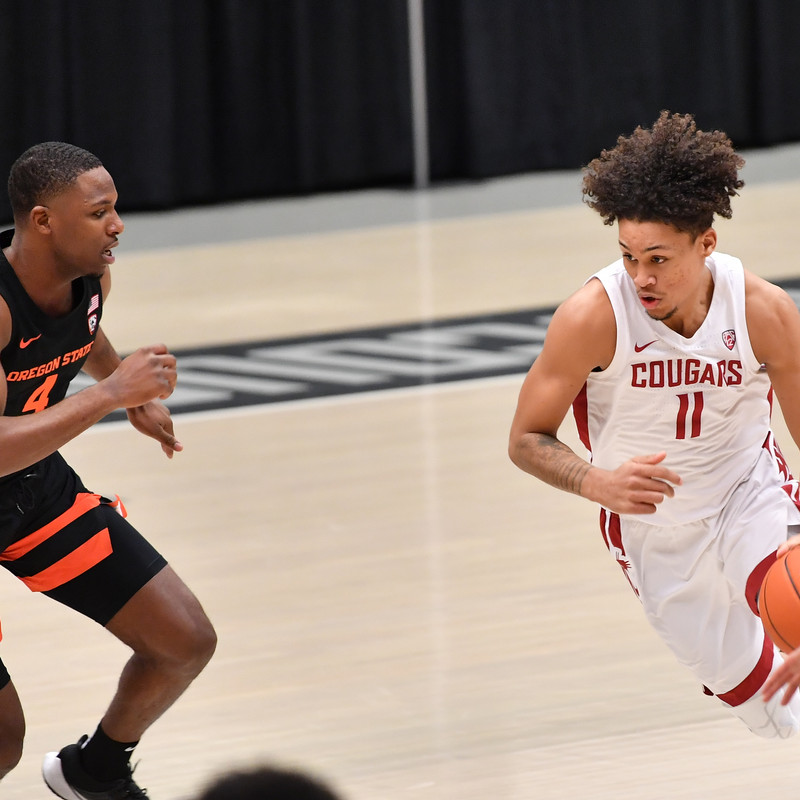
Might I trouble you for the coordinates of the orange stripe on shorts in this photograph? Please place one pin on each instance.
(83, 502)
(80, 560)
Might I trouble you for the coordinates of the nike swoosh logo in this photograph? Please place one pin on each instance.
(23, 343)
(639, 348)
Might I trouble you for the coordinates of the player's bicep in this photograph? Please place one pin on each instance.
(580, 338)
(545, 399)
(773, 322)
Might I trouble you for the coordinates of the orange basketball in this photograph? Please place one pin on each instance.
(779, 601)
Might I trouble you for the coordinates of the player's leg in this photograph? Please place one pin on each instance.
(12, 725)
(771, 719)
(702, 572)
(714, 633)
(136, 596)
(114, 576)
(172, 640)
(73, 546)
(757, 520)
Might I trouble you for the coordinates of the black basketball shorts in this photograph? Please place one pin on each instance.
(73, 545)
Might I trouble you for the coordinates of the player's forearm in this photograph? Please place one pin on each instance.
(550, 460)
(26, 439)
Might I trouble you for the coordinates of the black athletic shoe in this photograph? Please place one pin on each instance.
(65, 777)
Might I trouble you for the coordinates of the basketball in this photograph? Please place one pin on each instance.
(779, 601)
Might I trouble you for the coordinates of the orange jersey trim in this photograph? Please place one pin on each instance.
(80, 560)
(83, 502)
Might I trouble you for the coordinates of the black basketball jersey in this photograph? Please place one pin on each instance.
(44, 353)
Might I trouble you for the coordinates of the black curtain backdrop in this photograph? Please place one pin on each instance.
(201, 101)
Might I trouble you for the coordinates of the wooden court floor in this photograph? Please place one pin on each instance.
(399, 609)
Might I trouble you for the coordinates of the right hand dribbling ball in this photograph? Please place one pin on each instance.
(779, 601)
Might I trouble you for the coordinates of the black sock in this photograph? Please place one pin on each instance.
(104, 758)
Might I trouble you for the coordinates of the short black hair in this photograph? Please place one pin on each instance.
(267, 783)
(43, 172)
(671, 173)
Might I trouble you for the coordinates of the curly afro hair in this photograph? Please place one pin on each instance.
(671, 173)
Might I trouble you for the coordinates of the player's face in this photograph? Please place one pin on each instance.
(84, 224)
(668, 268)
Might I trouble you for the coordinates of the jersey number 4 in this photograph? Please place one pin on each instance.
(690, 413)
(40, 398)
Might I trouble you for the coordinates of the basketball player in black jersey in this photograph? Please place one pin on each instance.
(57, 536)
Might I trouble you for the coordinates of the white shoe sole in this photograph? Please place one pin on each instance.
(54, 778)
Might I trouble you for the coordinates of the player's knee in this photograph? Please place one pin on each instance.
(191, 646)
(203, 643)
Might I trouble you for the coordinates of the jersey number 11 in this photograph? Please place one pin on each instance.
(690, 412)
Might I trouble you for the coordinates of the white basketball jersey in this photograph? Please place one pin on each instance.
(704, 400)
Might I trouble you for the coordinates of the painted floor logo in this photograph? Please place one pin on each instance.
(354, 361)
(367, 360)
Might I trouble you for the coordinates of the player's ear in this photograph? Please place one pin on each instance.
(39, 218)
(708, 241)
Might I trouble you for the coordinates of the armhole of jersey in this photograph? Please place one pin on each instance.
(736, 273)
(619, 359)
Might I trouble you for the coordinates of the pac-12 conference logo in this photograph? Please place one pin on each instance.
(729, 339)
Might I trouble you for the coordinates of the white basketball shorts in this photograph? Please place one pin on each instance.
(698, 585)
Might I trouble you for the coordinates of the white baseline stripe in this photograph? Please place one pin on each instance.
(329, 400)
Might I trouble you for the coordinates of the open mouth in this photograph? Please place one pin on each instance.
(108, 256)
(649, 300)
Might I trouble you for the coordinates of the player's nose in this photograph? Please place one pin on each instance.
(116, 225)
(643, 277)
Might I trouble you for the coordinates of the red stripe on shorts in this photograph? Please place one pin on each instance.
(611, 529)
(754, 681)
(754, 582)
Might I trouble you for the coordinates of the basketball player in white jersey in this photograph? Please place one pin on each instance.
(669, 358)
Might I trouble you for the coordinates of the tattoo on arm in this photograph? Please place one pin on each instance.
(557, 464)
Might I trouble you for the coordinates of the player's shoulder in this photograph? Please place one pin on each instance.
(773, 320)
(590, 305)
(764, 297)
(583, 327)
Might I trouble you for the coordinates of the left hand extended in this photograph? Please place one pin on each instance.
(153, 419)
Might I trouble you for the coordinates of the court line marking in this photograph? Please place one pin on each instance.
(311, 403)
(353, 365)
